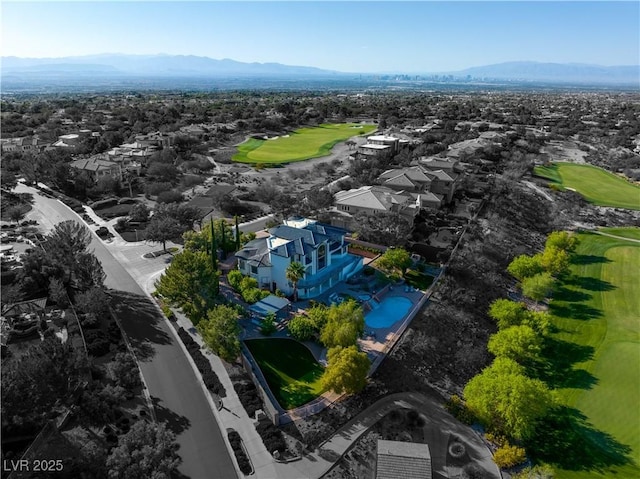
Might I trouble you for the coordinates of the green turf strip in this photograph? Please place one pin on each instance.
(597, 313)
(302, 144)
(596, 185)
(290, 369)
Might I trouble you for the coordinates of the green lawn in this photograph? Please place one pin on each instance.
(290, 369)
(633, 233)
(596, 363)
(596, 185)
(302, 144)
(417, 279)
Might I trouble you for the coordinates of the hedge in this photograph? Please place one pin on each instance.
(210, 378)
(271, 437)
(248, 395)
(236, 444)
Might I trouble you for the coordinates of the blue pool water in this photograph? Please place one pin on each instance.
(387, 312)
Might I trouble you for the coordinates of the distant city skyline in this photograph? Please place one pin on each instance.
(361, 36)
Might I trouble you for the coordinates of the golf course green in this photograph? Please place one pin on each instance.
(596, 313)
(290, 369)
(302, 144)
(596, 185)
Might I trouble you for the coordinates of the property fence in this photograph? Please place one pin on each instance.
(273, 409)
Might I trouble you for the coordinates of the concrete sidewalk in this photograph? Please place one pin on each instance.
(312, 465)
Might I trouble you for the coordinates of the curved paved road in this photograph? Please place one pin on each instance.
(174, 388)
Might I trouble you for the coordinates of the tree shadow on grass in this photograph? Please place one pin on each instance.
(565, 439)
(590, 284)
(570, 295)
(588, 259)
(557, 368)
(574, 311)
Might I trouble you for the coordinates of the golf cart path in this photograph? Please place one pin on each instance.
(617, 237)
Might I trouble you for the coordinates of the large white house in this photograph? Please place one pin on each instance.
(321, 248)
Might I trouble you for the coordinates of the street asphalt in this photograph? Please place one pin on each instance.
(173, 386)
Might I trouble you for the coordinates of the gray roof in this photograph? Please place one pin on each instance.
(403, 460)
(270, 304)
(256, 252)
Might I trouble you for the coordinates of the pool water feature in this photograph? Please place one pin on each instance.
(387, 312)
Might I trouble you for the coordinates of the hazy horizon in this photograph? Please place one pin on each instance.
(342, 36)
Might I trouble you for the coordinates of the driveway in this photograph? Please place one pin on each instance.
(172, 384)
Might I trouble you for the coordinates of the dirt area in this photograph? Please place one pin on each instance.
(565, 151)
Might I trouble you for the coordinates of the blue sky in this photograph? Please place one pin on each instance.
(418, 36)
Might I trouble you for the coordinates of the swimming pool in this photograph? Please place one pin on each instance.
(390, 310)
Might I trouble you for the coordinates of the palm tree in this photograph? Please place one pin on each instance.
(295, 272)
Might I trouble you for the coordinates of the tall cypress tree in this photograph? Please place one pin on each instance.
(214, 248)
(223, 242)
(237, 235)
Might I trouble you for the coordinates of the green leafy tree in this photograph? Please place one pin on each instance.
(191, 283)
(45, 374)
(124, 371)
(503, 397)
(346, 371)
(301, 327)
(536, 472)
(147, 450)
(525, 266)
(345, 324)
(507, 313)
(58, 293)
(268, 325)
(94, 301)
(538, 287)
(162, 229)
(294, 273)
(201, 240)
(563, 240)
(319, 315)
(17, 213)
(221, 331)
(507, 456)
(395, 259)
(139, 212)
(234, 277)
(555, 260)
(520, 343)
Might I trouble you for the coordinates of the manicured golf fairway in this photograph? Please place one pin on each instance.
(290, 369)
(600, 309)
(302, 144)
(596, 185)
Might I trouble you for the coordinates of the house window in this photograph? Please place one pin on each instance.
(242, 264)
(254, 270)
(322, 256)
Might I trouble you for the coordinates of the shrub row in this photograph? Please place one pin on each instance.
(210, 378)
(236, 444)
(248, 395)
(271, 437)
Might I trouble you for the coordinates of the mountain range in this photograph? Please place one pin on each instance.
(104, 66)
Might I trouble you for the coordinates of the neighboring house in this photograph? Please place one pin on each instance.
(403, 460)
(72, 140)
(131, 156)
(379, 146)
(412, 178)
(378, 199)
(443, 183)
(23, 144)
(449, 165)
(155, 138)
(98, 168)
(321, 248)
